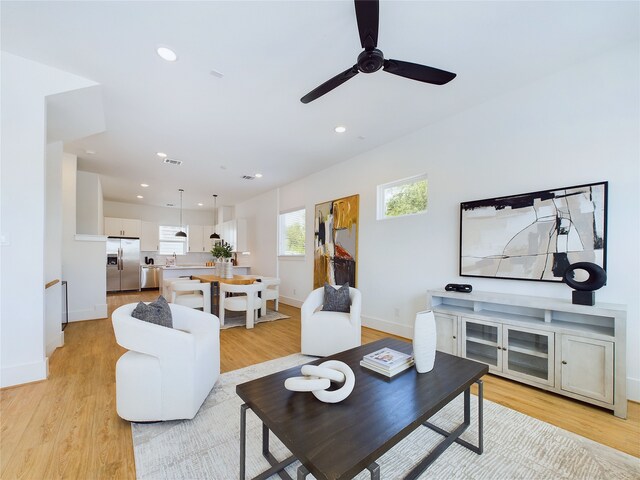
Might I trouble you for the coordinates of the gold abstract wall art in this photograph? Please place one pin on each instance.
(336, 242)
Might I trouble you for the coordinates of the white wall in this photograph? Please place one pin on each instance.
(54, 337)
(577, 126)
(163, 215)
(83, 258)
(25, 84)
(259, 212)
(89, 204)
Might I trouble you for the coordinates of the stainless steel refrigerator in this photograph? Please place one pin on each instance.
(123, 264)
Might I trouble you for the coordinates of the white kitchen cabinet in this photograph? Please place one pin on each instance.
(234, 232)
(112, 227)
(209, 243)
(122, 227)
(446, 333)
(587, 367)
(227, 233)
(572, 350)
(241, 235)
(196, 232)
(199, 240)
(149, 237)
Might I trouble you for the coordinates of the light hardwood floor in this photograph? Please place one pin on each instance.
(67, 426)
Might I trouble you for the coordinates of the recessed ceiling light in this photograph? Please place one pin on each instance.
(90, 152)
(340, 129)
(161, 154)
(144, 185)
(216, 73)
(167, 54)
(200, 204)
(258, 175)
(139, 196)
(222, 167)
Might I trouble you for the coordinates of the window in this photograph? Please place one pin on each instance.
(169, 243)
(402, 197)
(291, 233)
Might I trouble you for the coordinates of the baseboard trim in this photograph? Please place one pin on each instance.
(294, 302)
(97, 313)
(633, 389)
(27, 373)
(57, 342)
(387, 326)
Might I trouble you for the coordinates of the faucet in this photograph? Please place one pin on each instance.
(174, 259)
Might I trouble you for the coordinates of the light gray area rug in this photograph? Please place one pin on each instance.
(516, 446)
(239, 319)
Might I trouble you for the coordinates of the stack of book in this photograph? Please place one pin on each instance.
(387, 361)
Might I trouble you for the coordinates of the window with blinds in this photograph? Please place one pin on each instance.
(169, 243)
(291, 233)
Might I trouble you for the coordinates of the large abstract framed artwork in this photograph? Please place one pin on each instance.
(534, 236)
(336, 242)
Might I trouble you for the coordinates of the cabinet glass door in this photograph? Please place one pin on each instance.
(482, 342)
(529, 354)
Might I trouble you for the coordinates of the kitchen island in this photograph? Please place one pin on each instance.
(167, 272)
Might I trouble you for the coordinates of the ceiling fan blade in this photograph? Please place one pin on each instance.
(367, 14)
(421, 73)
(329, 85)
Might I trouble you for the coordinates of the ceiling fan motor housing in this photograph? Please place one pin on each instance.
(370, 61)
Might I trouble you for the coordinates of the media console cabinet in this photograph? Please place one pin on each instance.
(573, 350)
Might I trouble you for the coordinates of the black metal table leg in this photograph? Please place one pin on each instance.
(302, 472)
(215, 298)
(260, 297)
(474, 448)
(243, 432)
(276, 466)
(374, 470)
(451, 437)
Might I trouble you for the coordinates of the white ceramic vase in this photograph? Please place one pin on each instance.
(219, 267)
(424, 341)
(228, 268)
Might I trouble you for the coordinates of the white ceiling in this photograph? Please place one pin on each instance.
(271, 54)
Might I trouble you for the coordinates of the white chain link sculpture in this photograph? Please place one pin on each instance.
(317, 379)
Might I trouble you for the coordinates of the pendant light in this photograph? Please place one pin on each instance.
(181, 233)
(214, 235)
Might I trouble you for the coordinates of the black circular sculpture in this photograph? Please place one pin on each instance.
(583, 294)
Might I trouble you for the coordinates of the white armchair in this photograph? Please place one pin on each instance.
(167, 372)
(326, 333)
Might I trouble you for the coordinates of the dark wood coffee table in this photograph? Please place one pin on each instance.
(337, 441)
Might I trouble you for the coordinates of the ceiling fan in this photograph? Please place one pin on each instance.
(371, 59)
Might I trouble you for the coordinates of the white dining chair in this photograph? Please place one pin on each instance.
(271, 292)
(193, 294)
(245, 298)
(166, 285)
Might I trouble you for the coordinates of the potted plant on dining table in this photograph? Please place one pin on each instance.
(222, 254)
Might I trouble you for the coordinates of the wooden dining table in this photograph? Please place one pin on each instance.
(215, 282)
